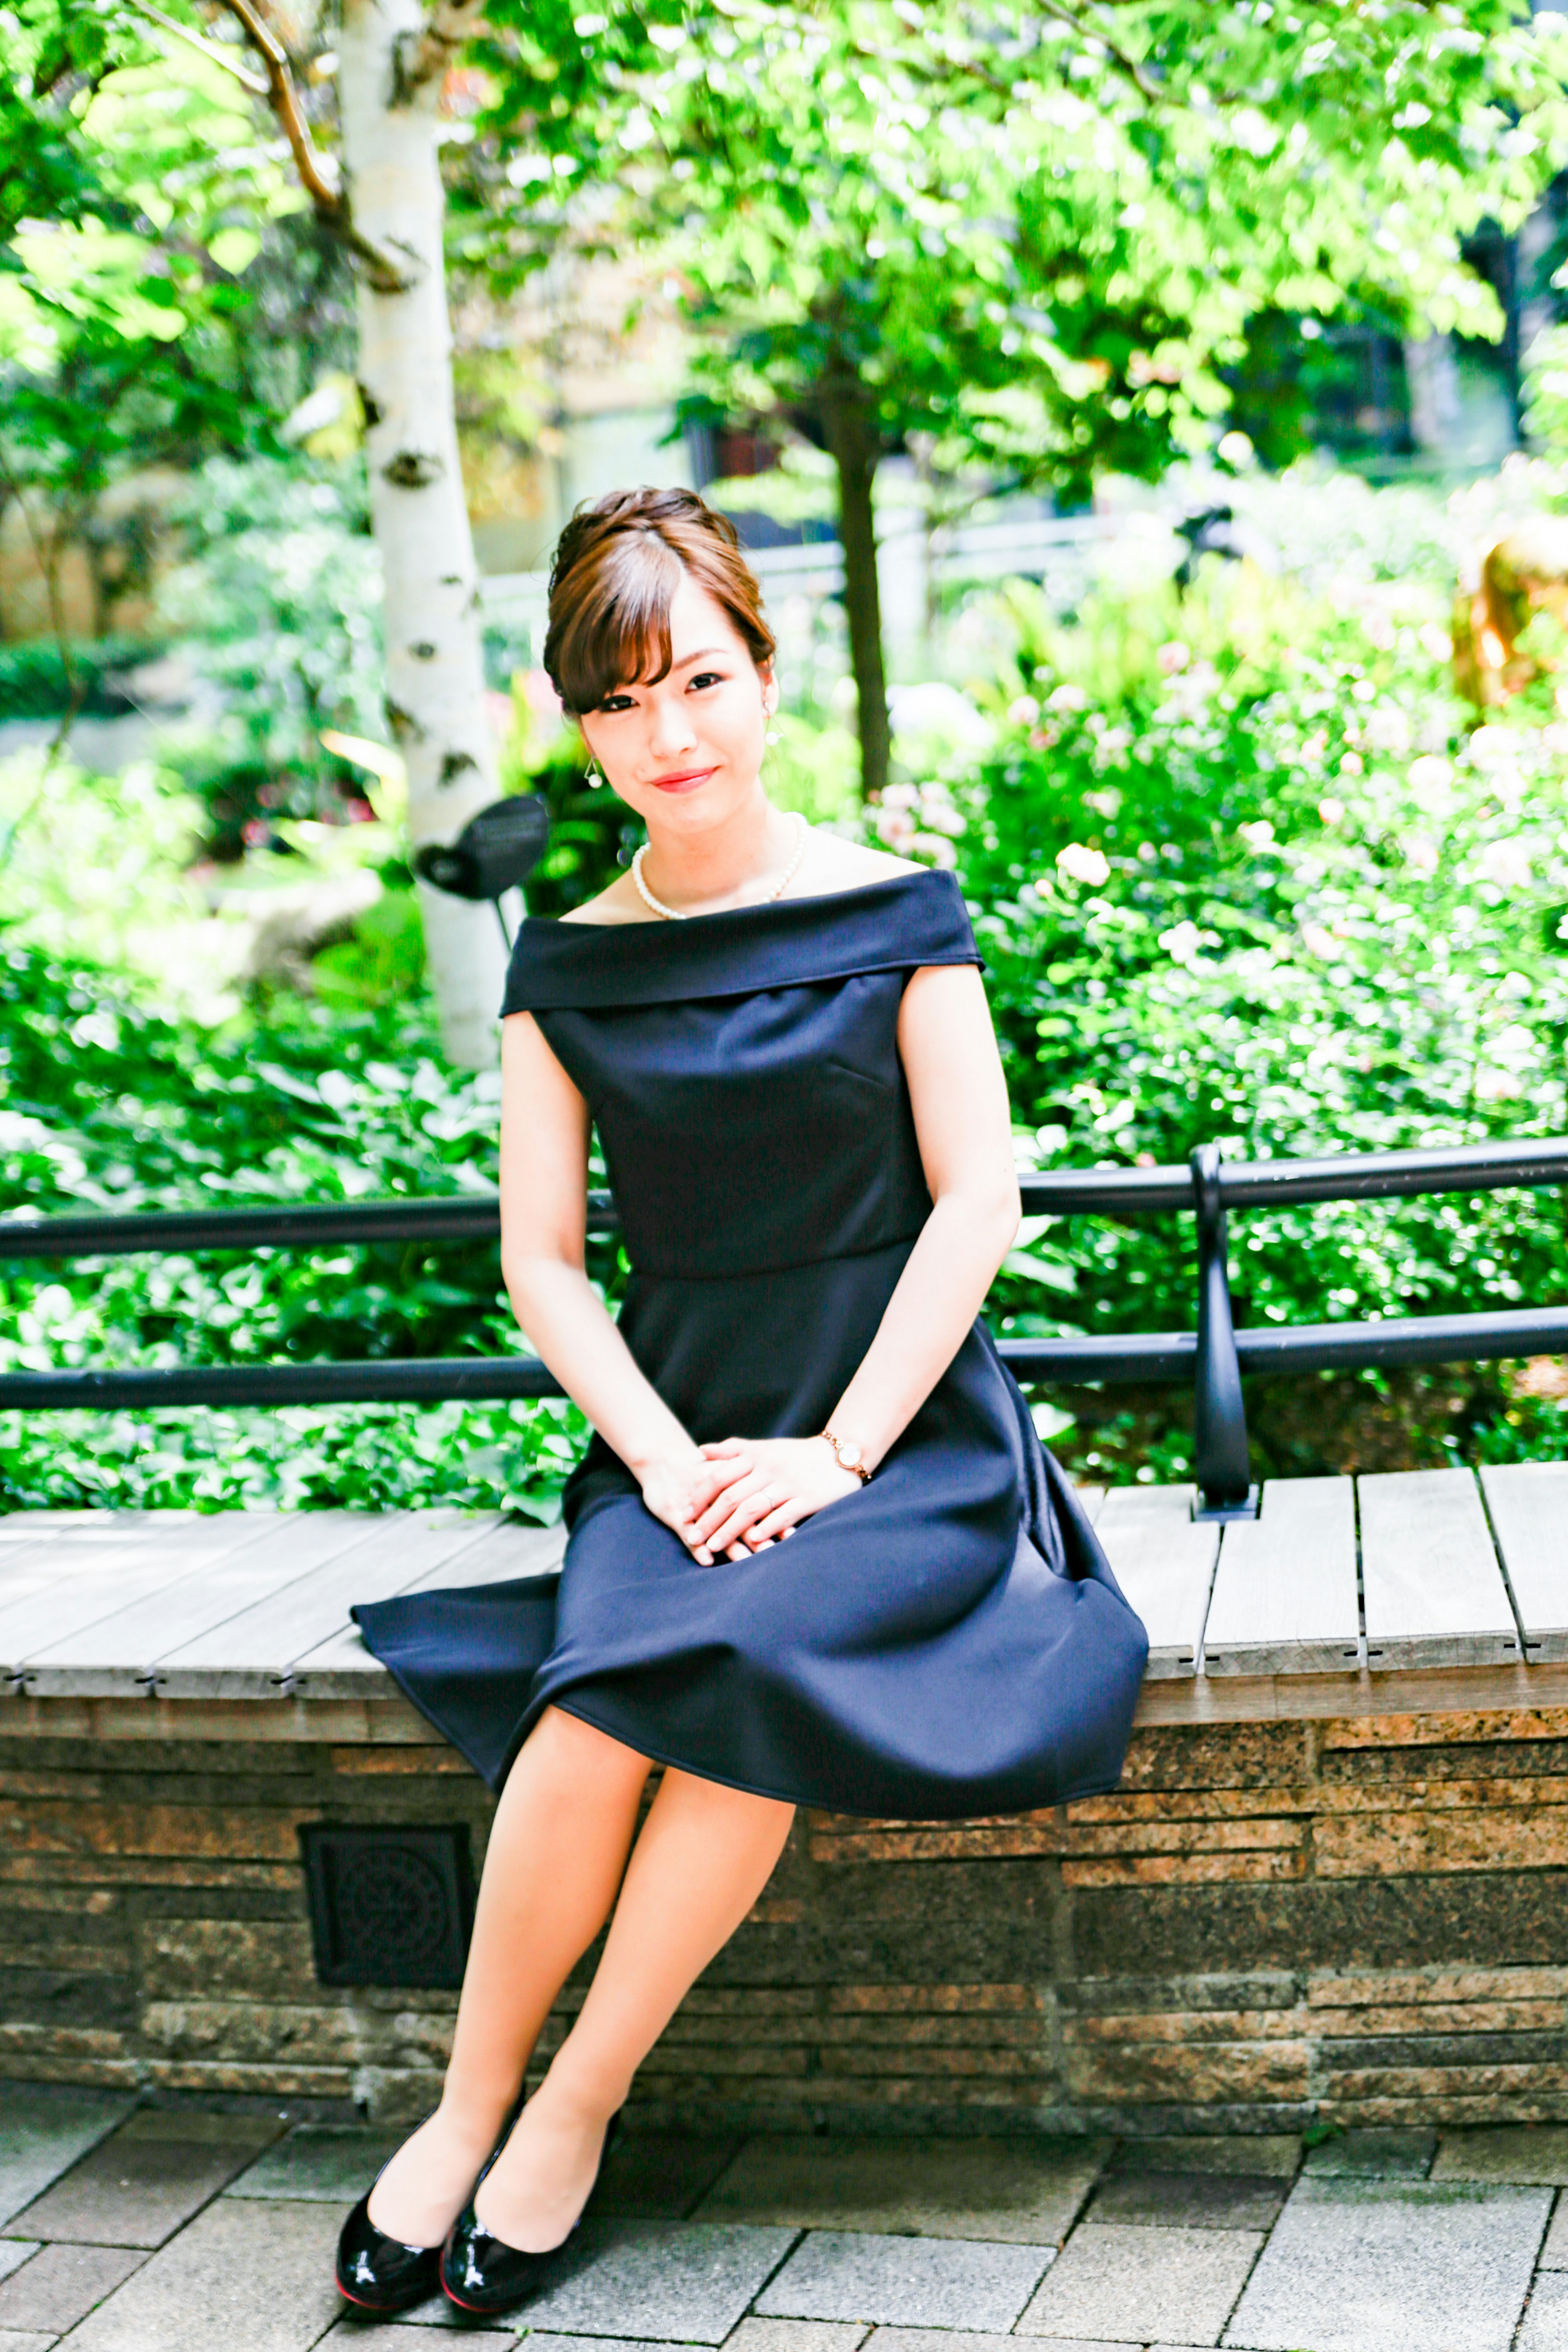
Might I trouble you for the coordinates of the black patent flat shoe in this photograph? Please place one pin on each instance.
(484, 2275)
(376, 2272)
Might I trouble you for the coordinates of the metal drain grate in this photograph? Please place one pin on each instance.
(389, 1906)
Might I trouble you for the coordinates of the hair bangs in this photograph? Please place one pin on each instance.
(619, 635)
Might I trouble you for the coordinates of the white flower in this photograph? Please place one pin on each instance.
(1182, 942)
(1067, 698)
(1421, 855)
(1077, 863)
(1353, 764)
(896, 828)
(1388, 729)
(941, 816)
(1493, 747)
(1331, 810)
(1319, 941)
(1025, 711)
(939, 852)
(1431, 774)
(1258, 836)
(900, 796)
(1506, 862)
(1173, 656)
(1437, 642)
(1496, 1086)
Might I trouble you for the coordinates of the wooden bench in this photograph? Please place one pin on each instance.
(1334, 1880)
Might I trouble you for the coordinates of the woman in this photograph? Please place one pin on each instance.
(818, 1556)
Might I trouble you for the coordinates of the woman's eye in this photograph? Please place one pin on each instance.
(706, 677)
(615, 702)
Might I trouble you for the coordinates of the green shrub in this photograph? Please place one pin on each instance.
(37, 680)
(1241, 871)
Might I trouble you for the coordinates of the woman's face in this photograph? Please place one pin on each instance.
(687, 750)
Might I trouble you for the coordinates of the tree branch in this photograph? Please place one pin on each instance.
(387, 273)
(1124, 64)
(215, 53)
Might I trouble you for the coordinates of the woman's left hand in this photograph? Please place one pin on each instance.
(771, 1484)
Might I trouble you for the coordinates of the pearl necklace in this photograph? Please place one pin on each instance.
(676, 914)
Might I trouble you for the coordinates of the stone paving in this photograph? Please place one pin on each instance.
(141, 2229)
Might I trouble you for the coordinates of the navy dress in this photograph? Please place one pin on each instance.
(947, 1640)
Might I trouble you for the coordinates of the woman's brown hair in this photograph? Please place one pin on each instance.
(617, 566)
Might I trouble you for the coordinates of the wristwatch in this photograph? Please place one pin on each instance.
(849, 1456)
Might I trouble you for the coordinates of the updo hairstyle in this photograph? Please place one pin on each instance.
(618, 565)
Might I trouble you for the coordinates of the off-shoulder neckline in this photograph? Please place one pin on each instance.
(681, 926)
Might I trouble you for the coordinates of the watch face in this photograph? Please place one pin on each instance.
(849, 1456)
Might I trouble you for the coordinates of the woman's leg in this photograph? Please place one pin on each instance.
(705, 1854)
(558, 1847)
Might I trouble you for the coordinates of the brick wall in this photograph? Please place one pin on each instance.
(1361, 1918)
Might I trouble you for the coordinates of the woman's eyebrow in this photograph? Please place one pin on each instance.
(706, 654)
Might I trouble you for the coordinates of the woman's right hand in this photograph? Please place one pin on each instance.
(678, 1492)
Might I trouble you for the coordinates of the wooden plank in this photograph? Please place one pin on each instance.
(1434, 1592)
(341, 1667)
(93, 1572)
(252, 1655)
(1528, 1505)
(30, 1564)
(1284, 1595)
(114, 1656)
(1164, 1562)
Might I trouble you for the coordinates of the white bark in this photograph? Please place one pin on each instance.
(435, 672)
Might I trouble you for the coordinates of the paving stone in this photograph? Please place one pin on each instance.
(1525, 2153)
(670, 2282)
(1554, 2254)
(661, 2175)
(1023, 2192)
(46, 2130)
(1383, 2265)
(810, 2335)
(1191, 2201)
(319, 2163)
(13, 2252)
(1275, 2154)
(379, 2335)
(539, 2343)
(244, 2277)
(61, 2285)
(1131, 2285)
(906, 2281)
(941, 2339)
(1375, 2152)
(1545, 2325)
(137, 2187)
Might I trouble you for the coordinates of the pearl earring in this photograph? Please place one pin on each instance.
(595, 777)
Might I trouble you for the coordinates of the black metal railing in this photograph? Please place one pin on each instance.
(1214, 1356)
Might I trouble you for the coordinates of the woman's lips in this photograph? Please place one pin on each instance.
(684, 782)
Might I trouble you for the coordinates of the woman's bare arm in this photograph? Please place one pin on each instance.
(965, 1128)
(948, 1048)
(544, 1213)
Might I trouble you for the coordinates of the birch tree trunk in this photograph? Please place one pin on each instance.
(435, 672)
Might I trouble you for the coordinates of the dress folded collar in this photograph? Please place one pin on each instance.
(897, 925)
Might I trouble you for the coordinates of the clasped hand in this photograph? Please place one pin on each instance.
(744, 1493)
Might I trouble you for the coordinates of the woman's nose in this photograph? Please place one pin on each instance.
(670, 728)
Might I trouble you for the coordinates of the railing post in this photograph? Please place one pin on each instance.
(1219, 1421)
